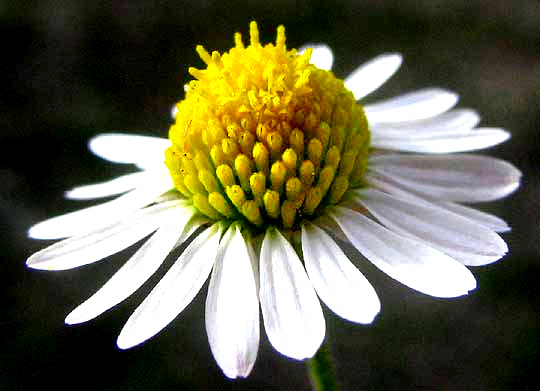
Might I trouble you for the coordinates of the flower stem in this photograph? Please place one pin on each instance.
(321, 370)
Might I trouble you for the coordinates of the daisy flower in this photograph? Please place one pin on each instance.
(270, 160)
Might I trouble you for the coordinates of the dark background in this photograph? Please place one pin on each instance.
(72, 69)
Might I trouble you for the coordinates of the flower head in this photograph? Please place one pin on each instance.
(265, 137)
(269, 153)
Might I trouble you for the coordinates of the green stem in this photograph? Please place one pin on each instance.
(321, 370)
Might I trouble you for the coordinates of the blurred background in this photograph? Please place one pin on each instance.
(72, 69)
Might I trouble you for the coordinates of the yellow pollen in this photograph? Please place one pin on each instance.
(265, 137)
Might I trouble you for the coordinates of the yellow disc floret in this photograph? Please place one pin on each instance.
(266, 137)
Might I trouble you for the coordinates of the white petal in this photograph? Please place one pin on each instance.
(196, 222)
(386, 184)
(406, 260)
(415, 105)
(336, 280)
(460, 178)
(114, 186)
(292, 314)
(321, 57)
(95, 217)
(462, 239)
(330, 226)
(126, 148)
(254, 256)
(372, 74)
(174, 291)
(232, 307)
(135, 271)
(479, 138)
(92, 247)
(488, 220)
(449, 123)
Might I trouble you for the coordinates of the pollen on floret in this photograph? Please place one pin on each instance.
(264, 136)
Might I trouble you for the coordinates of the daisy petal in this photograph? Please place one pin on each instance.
(463, 178)
(232, 307)
(470, 243)
(292, 314)
(415, 105)
(336, 280)
(487, 220)
(196, 222)
(254, 256)
(135, 271)
(449, 123)
(95, 217)
(125, 148)
(82, 250)
(112, 187)
(174, 291)
(372, 74)
(321, 57)
(479, 138)
(408, 261)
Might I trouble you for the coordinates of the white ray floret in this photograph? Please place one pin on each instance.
(408, 261)
(174, 291)
(143, 151)
(292, 314)
(174, 111)
(468, 242)
(141, 266)
(454, 122)
(322, 56)
(412, 106)
(92, 247)
(488, 220)
(463, 178)
(372, 74)
(339, 284)
(232, 307)
(114, 186)
(479, 138)
(92, 218)
(386, 184)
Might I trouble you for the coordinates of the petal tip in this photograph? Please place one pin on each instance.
(240, 372)
(46, 230)
(70, 194)
(124, 342)
(38, 264)
(35, 232)
(367, 317)
(80, 314)
(72, 319)
(75, 194)
(32, 263)
(395, 57)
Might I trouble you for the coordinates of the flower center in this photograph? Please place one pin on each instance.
(266, 137)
